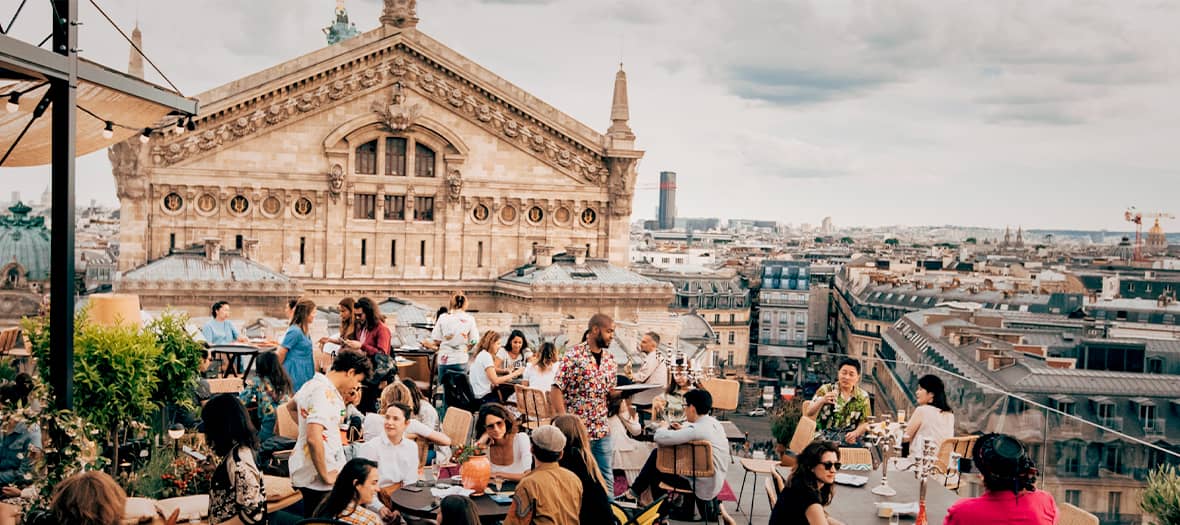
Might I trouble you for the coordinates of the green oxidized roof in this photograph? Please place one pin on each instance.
(25, 240)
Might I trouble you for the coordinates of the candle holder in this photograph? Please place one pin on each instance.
(885, 440)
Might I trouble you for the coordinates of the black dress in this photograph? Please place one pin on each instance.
(791, 508)
(595, 505)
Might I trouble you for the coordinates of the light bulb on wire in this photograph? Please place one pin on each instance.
(13, 104)
(108, 131)
(145, 136)
(179, 126)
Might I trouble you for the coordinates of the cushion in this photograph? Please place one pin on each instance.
(191, 507)
(139, 510)
(277, 487)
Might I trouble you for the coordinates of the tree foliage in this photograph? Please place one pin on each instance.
(179, 359)
(1161, 497)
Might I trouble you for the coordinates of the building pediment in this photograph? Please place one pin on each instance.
(312, 84)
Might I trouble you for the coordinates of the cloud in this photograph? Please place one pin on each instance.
(788, 158)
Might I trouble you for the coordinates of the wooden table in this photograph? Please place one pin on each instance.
(418, 501)
(854, 505)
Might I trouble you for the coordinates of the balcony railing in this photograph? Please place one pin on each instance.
(1155, 427)
(1110, 423)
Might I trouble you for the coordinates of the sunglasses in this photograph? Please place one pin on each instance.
(490, 426)
(830, 465)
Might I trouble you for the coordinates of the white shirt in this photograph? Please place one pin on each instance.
(506, 361)
(427, 414)
(374, 425)
(319, 402)
(707, 428)
(478, 375)
(935, 426)
(395, 463)
(522, 456)
(653, 372)
(455, 333)
(541, 380)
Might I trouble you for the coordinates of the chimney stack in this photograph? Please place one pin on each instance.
(250, 249)
(213, 250)
(578, 252)
(543, 255)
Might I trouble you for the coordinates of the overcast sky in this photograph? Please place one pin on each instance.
(1042, 114)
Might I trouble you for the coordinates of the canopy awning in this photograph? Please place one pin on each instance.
(131, 103)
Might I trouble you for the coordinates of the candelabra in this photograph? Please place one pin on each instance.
(886, 441)
(678, 363)
(924, 468)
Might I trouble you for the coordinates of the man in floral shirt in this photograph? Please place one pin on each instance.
(841, 411)
(587, 375)
(319, 408)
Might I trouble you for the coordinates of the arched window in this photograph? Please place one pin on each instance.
(366, 158)
(423, 161)
(12, 277)
(395, 156)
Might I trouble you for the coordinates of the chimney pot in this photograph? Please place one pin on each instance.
(213, 250)
(544, 256)
(578, 252)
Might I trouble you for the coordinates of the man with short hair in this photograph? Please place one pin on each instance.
(549, 494)
(584, 383)
(396, 451)
(653, 372)
(699, 426)
(319, 409)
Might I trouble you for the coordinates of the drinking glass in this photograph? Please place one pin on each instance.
(497, 482)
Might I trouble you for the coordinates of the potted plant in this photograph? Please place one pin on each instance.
(1161, 496)
(178, 365)
(782, 427)
(474, 466)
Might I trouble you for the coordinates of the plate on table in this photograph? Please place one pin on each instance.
(851, 480)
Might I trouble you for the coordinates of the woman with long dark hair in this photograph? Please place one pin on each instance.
(372, 335)
(515, 353)
(457, 510)
(268, 389)
(424, 412)
(932, 421)
(810, 488)
(509, 451)
(669, 406)
(295, 350)
(1010, 477)
(355, 489)
(541, 372)
(235, 492)
(482, 375)
(578, 459)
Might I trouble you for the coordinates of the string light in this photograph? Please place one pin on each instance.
(13, 103)
(108, 131)
(179, 129)
(145, 136)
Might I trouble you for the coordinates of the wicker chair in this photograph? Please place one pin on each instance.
(804, 435)
(457, 425)
(856, 456)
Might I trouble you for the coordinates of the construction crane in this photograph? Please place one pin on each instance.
(1136, 216)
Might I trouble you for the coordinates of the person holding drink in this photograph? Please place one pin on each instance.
(841, 410)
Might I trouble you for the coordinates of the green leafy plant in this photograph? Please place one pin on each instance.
(784, 421)
(168, 475)
(464, 452)
(179, 360)
(1161, 496)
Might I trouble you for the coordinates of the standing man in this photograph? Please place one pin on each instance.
(319, 409)
(583, 387)
(653, 372)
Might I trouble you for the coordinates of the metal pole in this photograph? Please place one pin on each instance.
(61, 284)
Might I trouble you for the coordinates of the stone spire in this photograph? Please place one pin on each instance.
(135, 62)
(620, 111)
(401, 14)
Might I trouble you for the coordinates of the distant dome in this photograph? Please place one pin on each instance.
(1124, 250)
(1157, 241)
(24, 241)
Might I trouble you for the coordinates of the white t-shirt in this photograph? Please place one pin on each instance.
(395, 463)
(427, 414)
(506, 361)
(455, 332)
(319, 402)
(935, 426)
(478, 375)
(374, 425)
(541, 380)
(522, 456)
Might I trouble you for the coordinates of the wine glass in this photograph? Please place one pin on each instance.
(497, 482)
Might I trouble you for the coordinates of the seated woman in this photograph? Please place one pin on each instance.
(354, 490)
(235, 492)
(578, 459)
(515, 354)
(669, 406)
(1011, 495)
(374, 423)
(482, 374)
(842, 410)
(20, 446)
(89, 498)
(810, 488)
(396, 451)
(540, 372)
(509, 451)
(932, 421)
(457, 510)
(423, 410)
(628, 454)
(266, 390)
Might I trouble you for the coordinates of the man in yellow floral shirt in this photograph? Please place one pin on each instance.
(841, 411)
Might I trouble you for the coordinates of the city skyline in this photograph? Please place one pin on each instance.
(880, 115)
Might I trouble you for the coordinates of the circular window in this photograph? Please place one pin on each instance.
(508, 214)
(272, 206)
(239, 204)
(480, 213)
(173, 202)
(303, 207)
(536, 214)
(562, 215)
(206, 203)
(588, 216)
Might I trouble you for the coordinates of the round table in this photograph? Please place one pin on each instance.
(232, 351)
(418, 501)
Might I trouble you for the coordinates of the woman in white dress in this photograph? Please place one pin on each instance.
(629, 454)
(932, 421)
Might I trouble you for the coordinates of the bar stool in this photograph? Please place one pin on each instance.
(755, 467)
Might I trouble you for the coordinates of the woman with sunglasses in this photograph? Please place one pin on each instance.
(510, 451)
(810, 488)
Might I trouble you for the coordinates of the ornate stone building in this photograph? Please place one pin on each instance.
(386, 164)
(24, 264)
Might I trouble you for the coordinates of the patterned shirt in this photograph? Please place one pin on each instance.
(357, 515)
(237, 491)
(586, 385)
(843, 415)
(319, 402)
(260, 393)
